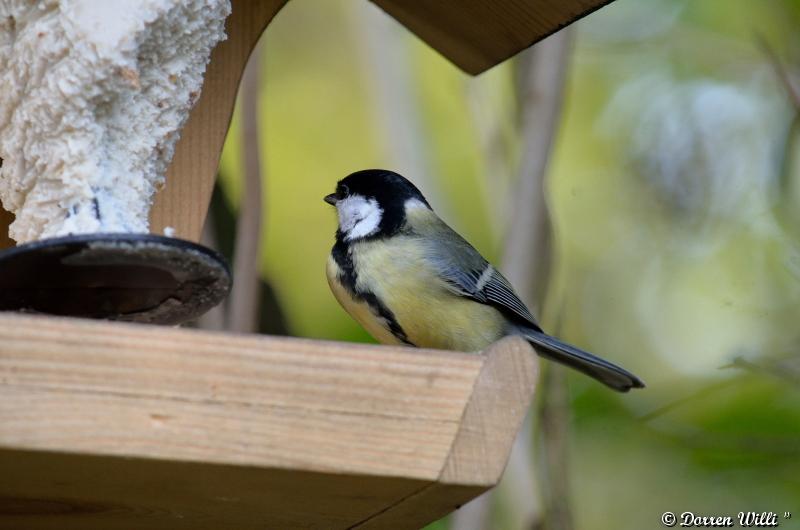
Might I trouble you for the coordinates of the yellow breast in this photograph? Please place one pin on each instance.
(430, 314)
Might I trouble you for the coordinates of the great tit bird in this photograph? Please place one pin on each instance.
(408, 278)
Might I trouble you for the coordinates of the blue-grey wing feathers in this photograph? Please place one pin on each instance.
(470, 275)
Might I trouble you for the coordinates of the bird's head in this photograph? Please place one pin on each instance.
(373, 203)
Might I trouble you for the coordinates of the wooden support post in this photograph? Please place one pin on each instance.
(183, 203)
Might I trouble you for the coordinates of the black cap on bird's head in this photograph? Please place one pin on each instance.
(380, 184)
(372, 202)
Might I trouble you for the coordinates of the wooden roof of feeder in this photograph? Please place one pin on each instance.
(106, 425)
(478, 34)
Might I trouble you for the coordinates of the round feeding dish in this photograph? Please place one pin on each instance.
(129, 277)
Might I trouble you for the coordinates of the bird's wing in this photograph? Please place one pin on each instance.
(468, 274)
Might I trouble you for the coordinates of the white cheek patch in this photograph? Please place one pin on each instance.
(358, 216)
(410, 204)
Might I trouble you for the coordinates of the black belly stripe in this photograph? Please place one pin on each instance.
(347, 276)
(387, 315)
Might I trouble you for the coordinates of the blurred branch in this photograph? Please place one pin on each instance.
(528, 258)
(777, 369)
(793, 96)
(780, 71)
(694, 438)
(553, 419)
(219, 233)
(391, 78)
(540, 88)
(243, 304)
(786, 159)
(672, 405)
(495, 150)
(526, 263)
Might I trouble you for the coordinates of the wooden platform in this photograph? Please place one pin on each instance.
(128, 426)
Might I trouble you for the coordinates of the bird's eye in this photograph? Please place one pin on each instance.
(342, 192)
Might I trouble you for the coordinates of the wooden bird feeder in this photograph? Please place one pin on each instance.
(110, 425)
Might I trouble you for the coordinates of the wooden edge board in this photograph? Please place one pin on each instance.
(498, 404)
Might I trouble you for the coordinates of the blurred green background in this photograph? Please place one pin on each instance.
(674, 201)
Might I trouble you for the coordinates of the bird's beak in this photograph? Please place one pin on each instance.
(331, 199)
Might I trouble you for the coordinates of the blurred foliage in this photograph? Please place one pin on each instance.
(674, 201)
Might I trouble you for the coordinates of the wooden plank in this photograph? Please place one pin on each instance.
(183, 203)
(214, 397)
(476, 34)
(118, 425)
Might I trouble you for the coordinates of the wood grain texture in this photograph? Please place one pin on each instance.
(476, 34)
(183, 203)
(126, 426)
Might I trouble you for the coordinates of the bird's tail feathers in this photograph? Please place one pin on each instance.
(606, 372)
